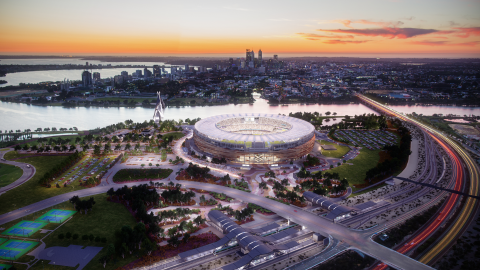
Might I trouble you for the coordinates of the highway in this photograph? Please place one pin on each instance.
(461, 160)
(358, 240)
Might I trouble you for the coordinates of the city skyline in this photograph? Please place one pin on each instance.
(350, 28)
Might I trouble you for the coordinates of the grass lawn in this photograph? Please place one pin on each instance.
(103, 220)
(8, 174)
(340, 152)
(173, 136)
(356, 173)
(31, 192)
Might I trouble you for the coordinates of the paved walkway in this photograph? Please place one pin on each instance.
(28, 172)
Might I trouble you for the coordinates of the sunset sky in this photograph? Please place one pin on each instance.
(229, 27)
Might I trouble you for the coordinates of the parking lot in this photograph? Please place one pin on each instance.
(371, 139)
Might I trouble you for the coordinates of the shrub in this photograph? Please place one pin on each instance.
(61, 236)
(104, 240)
(75, 236)
(68, 235)
(85, 237)
(91, 237)
(58, 186)
(97, 239)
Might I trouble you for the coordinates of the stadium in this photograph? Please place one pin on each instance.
(254, 138)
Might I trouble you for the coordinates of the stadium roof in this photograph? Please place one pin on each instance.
(300, 128)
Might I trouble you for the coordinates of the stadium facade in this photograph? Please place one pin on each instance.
(254, 138)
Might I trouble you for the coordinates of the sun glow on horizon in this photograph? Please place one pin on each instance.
(151, 27)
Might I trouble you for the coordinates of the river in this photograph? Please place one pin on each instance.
(71, 74)
(23, 116)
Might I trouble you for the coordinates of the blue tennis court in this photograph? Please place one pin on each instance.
(8, 253)
(20, 231)
(59, 213)
(25, 224)
(30, 225)
(18, 245)
(52, 218)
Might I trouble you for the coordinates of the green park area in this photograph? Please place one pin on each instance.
(356, 173)
(96, 228)
(31, 191)
(8, 174)
(340, 152)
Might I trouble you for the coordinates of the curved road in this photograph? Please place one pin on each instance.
(28, 172)
(358, 240)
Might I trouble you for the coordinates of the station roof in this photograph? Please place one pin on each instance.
(335, 209)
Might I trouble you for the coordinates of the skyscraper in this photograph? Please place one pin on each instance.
(187, 68)
(96, 76)
(86, 78)
(173, 70)
(147, 73)
(275, 57)
(247, 56)
(156, 71)
(260, 55)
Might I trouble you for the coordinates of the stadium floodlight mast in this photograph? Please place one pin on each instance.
(159, 109)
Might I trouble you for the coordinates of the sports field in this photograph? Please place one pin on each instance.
(56, 216)
(14, 249)
(4, 266)
(24, 228)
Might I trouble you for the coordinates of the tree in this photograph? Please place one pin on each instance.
(186, 237)
(327, 182)
(17, 147)
(263, 185)
(285, 182)
(173, 241)
(149, 246)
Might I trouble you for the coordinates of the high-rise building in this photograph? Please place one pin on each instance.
(86, 78)
(230, 62)
(247, 56)
(156, 71)
(187, 68)
(147, 73)
(173, 70)
(138, 73)
(252, 55)
(96, 76)
(275, 57)
(260, 55)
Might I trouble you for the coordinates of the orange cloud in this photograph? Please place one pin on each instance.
(338, 41)
(318, 37)
(443, 43)
(465, 32)
(388, 32)
(348, 23)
